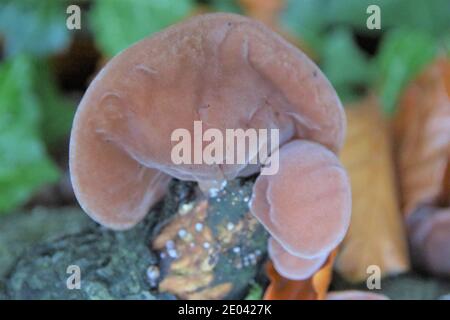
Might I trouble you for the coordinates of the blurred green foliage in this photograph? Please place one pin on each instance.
(256, 292)
(345, 65)
(117, 24)
(403, 54)
(35, 27)
(34, 116)
(411, 34)
(431, 16)
(24, 163)
(226, 6)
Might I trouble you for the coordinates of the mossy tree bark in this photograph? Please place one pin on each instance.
(189, 247)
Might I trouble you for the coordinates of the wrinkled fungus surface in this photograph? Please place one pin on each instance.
(229, 72)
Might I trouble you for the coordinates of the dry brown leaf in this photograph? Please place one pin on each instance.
(265, 11)
(268, 12)
(422, 135)
(376, 235)
(314, 288)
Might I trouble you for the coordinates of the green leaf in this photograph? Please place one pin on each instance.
(312, 20)
(24, 164)
(307, 20)
(255, 292)
(445, 44)
(232, 6)
(345, 65)
(36, 27)
(117, 24)
(402, 56)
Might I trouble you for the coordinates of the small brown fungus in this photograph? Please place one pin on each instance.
(229, 72)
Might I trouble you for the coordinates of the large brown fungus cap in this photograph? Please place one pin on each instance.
(229, 72)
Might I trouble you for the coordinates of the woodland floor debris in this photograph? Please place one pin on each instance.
(422, 145)
(376, 235)
(122, 265)
(40, 273)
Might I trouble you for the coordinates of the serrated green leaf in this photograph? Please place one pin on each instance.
(118, 24)
(36, 27)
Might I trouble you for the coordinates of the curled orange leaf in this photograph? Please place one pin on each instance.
(314, 288)
(422, 135)
(264, 10)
